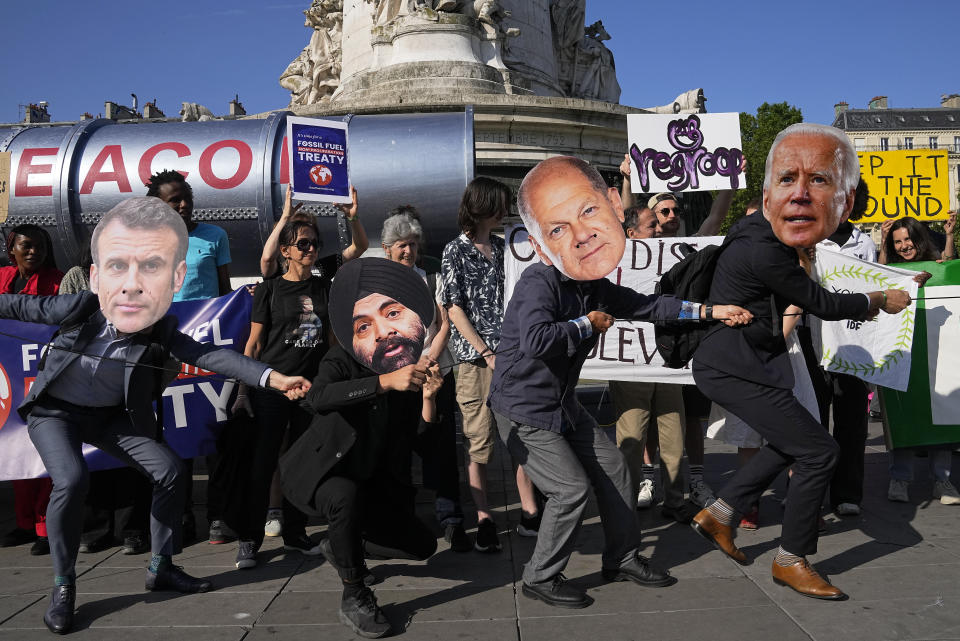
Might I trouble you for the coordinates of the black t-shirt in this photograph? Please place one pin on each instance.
(294, 316)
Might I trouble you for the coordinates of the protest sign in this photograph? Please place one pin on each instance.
(911, 183)
(877, 351)
(628, 350)
(928, 411)
(195, 404)
(692, 152)
(319, 167)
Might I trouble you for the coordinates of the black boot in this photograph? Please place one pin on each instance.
(59, 614)
(360, 612)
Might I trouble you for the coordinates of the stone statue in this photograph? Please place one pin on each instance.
(689, 102)
(314, 75)
(596, 74)
(192, 112)
(566, 18)
(386, 11)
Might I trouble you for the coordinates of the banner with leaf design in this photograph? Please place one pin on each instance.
(878, 350)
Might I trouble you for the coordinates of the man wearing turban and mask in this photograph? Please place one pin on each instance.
(352, 466)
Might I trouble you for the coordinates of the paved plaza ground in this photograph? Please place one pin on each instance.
(900, 563)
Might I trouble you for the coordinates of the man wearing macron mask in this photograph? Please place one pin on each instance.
(87, 392)
(558, 310)
(372, 395)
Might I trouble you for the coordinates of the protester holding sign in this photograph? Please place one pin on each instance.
(809, 188)
(906, 241)
(555, 317)
(32, 271)
(289, 330)
(85, 392)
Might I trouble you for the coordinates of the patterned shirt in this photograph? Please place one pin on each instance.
(473, 283)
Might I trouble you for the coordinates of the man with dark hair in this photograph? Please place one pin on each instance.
(551, 325)
(208, 258)
(639, 222)
(101, 376)
(809, 186)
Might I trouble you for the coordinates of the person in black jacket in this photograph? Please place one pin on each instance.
(352, 465)
(811, 178)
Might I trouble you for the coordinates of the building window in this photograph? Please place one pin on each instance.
(884, 144)
(956, 144)
(933, 142)
(908, 142)
(858, 143)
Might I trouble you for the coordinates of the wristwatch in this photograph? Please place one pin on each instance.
(708, 312)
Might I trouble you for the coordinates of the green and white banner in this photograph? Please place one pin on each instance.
(877, 351)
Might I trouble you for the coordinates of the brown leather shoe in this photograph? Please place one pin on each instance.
(719, 534)
(804, 579)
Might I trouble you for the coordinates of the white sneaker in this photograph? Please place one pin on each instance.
(897, 491)
(700, 493)
(947, 494)
(645, 495)
(847, 509)
(274, 524)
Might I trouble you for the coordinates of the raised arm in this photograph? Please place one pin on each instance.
(626, 193)
(358, 235)
(271, 248)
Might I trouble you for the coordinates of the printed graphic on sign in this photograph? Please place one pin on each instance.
(318, 159)
(685, 152)
(943, 343)
(911, 183)
(6, 397)
(877, 351)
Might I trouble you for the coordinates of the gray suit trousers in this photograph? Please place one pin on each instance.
(564, 467)
(58, 431)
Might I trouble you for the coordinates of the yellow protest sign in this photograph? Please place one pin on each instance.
(911, 183)
(4, 185)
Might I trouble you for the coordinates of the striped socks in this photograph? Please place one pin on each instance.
(722, 512)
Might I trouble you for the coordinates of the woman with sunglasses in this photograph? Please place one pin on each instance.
(289, 328)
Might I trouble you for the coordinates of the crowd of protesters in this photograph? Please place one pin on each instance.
(496, 391)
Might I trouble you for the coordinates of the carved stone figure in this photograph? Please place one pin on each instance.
(566, 18)
(314, 75)
(386, 11)
(192, 112)
(689, 102)
(596, 74)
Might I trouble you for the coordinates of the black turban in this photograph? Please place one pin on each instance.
(359, 278)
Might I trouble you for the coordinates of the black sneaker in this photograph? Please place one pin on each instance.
(369, 578)
(487, 539)
(361, 614)
(557, 592)
(246, 555)
(135, 545)
(457, 537)
(17, 536)
(529, 525)
(40, 547)
(220, 533)
(172, 577)
(303, 544)
(96, 545)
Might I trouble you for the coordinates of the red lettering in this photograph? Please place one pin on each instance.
(243, 170)
(25, 168)
(145, 169)
(117, 175)
(27, 384)
(285, 164)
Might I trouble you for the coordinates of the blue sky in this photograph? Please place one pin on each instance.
(811, 53)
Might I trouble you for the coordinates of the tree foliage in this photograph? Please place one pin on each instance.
(757, 133)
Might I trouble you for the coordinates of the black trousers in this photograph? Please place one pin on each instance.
(117, 505)
(437, 449)
(373, 519)
(849, 399)
(794, 438)
(273, 414)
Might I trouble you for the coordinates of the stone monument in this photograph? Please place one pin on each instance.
(539, 81)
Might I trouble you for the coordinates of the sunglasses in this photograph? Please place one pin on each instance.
(306, 244)
(667, 210)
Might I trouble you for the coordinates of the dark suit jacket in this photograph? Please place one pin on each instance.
(81, 320)
(753, 266)
(347, 408)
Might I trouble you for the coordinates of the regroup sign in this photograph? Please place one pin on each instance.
(911, 183)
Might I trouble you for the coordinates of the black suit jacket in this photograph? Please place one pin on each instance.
(346, 405)
(754, 266)
(81, 321)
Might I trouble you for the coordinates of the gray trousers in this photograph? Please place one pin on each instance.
(58, 432)
(564, 467)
